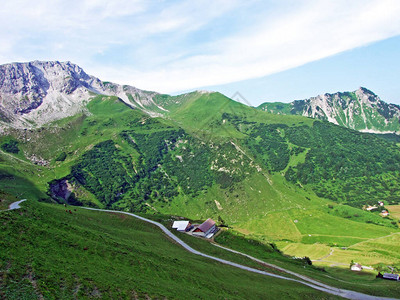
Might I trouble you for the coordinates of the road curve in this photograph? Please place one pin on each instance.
(14, 205)
(311, 283)
(303, 277)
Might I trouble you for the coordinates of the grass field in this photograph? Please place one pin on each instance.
(368, 252)
(338, 275)
(275, 226)
(47, 252)
(314, 251)
(312, 221)
(394, 211)
(6, 199)
(364, 243)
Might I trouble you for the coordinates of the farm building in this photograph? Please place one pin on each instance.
(390, 276)
(356, 267)
(385, 213)
(181, 225)
(207, 229)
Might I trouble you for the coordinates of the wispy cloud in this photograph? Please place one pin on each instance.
(178, 45)
(304, 34)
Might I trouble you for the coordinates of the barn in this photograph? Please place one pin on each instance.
(206, 229)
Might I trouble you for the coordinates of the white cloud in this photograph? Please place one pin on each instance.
(318, 30)
(169, 46)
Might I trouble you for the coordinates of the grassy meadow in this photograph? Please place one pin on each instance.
(336, 275)
(394, 211)
(50, 253)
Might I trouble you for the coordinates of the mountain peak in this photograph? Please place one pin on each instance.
(361, 110)
(366, 91)
(37, 92)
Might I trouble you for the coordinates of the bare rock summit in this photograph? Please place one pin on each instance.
(35, 93)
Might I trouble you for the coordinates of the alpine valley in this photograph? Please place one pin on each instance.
(279, 180)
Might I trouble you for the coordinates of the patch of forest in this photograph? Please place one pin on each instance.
(341, 164)
(345, 165)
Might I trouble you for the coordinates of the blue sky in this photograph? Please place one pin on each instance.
(267, 50)
(375, 66)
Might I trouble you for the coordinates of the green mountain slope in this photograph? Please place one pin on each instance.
(269, 176)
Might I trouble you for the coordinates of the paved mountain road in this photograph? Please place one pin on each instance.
(308, 282)
(15, 205)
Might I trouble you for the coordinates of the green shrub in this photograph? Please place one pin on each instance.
(61, 157)
(10, 147)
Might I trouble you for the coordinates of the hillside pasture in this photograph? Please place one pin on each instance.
(275, 226)
(313, 221)
(313, 251)
(368, 252)
(394, 211)
(87, 246)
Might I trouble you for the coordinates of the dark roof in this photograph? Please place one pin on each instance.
(206, 225)
(391, 276)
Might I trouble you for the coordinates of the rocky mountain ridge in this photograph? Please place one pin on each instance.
(361, 110)
(36, 93)
(39, 92)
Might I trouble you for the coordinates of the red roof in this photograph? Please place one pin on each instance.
(206, 225)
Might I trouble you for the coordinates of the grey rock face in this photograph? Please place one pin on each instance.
(360, 110)
(39, 92)
(22, 87)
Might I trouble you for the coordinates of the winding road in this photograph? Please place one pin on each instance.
(15, 205)
(307, 281)
(326, 256)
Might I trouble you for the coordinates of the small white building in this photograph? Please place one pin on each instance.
(181, 225)
(385, 213)
(356, 267)
(369, 208)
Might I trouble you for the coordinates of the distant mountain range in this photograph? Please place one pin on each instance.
(361, 110)
(36, 93)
